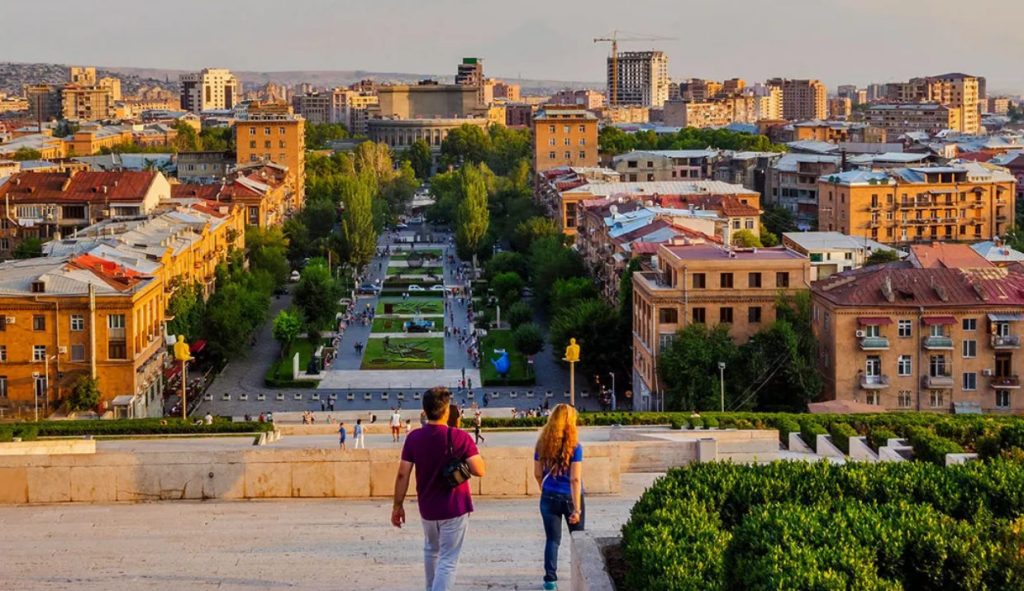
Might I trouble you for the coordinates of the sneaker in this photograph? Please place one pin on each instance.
(550, 586)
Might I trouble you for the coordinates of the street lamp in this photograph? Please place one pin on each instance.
(612, 374)
(721, 382)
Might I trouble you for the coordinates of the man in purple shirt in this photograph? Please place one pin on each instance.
(444, 510)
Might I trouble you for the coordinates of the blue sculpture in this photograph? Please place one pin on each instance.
(501, 363)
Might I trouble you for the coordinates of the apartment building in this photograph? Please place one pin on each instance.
(792, 182)
(263, 191)
(212, 89)
(205, 167)
(831, 252)
(902, 118)
(564, 136)
(928, 339)
(315, 107)
(87, 103)
(638, 78)
(588, 99)
(706, 284)
(802, 99)
(506, 91)
(471, 73)
(273, 133)
(960, 202)
(352, 108)
(840, 107)
(665, 165)
(45, 204)
(959, 92)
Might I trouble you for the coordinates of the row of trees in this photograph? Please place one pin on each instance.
(614, 141)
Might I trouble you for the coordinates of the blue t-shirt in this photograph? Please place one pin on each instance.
(357, 430)
(341, 433)
(560, 483)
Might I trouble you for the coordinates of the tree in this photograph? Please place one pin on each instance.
(319, 134)
(268, 251)
(375, 158)
(317, 296)
(778, 371)
(590, 322)
(466, 144)
(472, 216)
(287, 326)
(768, 239)
(23, 154)
(186, 140)
(237, 308)
(518, 313)
(85, 394)
(506, 262)
(778, 220)
(688, 367)
(188, 308)
(508, 288)
(746, 239)
(399, 190)
(550, 260)
(566, 293)
(528, 339)
(881, 257)
(532, 230)
(421, 159)
(29, 248)
(217, 139)
(358, 232)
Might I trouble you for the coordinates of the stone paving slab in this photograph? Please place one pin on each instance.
(387, 379)
(271, 545)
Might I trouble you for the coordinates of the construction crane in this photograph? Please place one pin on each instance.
(614, 40)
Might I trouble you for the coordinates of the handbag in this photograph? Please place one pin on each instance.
(456, 470)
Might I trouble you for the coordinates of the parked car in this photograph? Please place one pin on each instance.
(437, 287)
(368, 288)
(419, 326)
(295, 276)
(415, 288)
(416, 220)
(401, 226)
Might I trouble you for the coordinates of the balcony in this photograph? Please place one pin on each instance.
(937, 343)
(873, 382)
(1001, 218)
(1005, 382)
(874, 344)
(1006, 342)
(940, 382)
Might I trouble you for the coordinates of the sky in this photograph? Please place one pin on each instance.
(837, 41)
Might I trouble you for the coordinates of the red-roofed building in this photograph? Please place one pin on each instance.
(938, 338)
(42, 204)
(262, 189)
(947, 255)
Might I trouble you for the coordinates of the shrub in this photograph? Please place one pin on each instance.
(6, 434)
(786, 426)
(880, 437)
(679, 423)
(141, 427)
(809, 431)
(27, 432)
(931, 447)
(841, 434)
(696, 422)
(711, 422)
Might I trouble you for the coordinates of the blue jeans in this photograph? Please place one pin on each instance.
(441, 547)
(554, 508)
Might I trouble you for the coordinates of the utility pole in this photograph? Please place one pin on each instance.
(721, 382)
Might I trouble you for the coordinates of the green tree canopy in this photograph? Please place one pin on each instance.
(358, 232)
(472, 215)
(881, 256)
(421, 159)
(746, 239)
(528, 339)
(614, 141)
(517, 314)
(778, 220)
(507, 288)
(186, 140)
(29, 248)
(550, 260)
(287, 326)
(85, 394)
(319, 134)
(23, 154)
(188, 308)
(506, 262)
(268, 251)
(688, 368)
(566, 293)
(590, 322)
(317, 296)
(532, 230)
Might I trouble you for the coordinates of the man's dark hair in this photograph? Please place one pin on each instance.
(435, 401)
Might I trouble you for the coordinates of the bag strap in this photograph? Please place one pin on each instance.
(451, 448)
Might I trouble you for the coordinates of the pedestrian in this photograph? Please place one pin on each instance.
(323, 405)
(477, 423)
(357, 435)
(444, 508)
(341, 434)
(396, 424)
(330, 405)
(558, 468)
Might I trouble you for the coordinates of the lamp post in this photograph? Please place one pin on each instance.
(612, 374)
(183, 354)
(572, 355)
(721, 382)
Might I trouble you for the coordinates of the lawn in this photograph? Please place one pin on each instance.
(404, 255)
(426, 353)
(281, 369)
(413, 305)
(518, 374)
(388, 324)
(392, 271)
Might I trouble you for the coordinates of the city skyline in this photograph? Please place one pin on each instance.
(877, 42)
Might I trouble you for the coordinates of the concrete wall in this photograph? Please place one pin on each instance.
(657, 450)
(47, 447)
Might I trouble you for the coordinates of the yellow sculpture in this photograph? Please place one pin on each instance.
(572, 352)
(181, 350)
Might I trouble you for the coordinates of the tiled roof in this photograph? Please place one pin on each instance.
(67, 276)
(663, 188)
(706, 252)
(56, 187)
(911, 287)
(947, 255)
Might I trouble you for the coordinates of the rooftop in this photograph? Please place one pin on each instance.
(902, 285)
(68, 275)
(709, 252)
(696, 187)
(77, 187)
(946, 255)
(997, 252)
(832, 241)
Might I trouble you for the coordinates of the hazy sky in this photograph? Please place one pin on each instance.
(838, 41)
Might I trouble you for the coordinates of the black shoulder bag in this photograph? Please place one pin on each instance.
(456, 471)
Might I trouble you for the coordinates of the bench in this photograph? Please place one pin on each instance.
(261, 397)
(279, 397)
(350, 397)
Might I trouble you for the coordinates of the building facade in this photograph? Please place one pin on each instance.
(564, 136)
(272, 133)
(665, 165)
(802, 99)
(902, 118)
(959, 92)
(638, 78)
(212, 89)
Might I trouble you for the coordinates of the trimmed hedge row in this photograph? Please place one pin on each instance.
(136, 427)
(25, 432)
(797, 525)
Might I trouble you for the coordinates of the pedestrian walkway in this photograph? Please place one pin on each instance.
(393, 379)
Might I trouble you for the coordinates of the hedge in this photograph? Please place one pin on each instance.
(809, 431)
(134, 427)
(931, 447)
(803, 525)
(841, 434)
(880, 437)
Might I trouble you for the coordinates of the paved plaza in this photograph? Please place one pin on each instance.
(270, 545)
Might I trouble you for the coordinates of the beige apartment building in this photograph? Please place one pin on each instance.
(564, 136)
(959, 92)
(901, 118)
(86, 103)
(665, 165)
(273, 133)
(638, 78)
(802, 99)
(706, 284)
(213, 89)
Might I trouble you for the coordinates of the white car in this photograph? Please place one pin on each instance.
(416, 288)
(295, 277)
(437, 287)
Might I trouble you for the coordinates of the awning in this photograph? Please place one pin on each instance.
(932, 320)
(1006, 317)
(197, 346)
(122, 400)
(172, 372)
(873, 321)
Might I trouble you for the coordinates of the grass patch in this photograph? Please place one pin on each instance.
(388, 324)
(426, 353)
(413, 305)
(279, 374)
(518, 374)
(426, 252)
(393, 271)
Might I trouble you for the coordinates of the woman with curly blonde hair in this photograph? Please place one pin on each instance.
(558, 468)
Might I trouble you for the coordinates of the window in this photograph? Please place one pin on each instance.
(583, 142)
(3, 387)
(252, 131)
(735, 224)
(871, 397)
(754, 280)
(903, 399)
(566, 141)
(39, 322)
(754, 314)
(936, 331)
(725, 315)
(725, 280)
(3, 353)
(935, 398)
(904, 365)
(565, 129)
(583, 154)
(77, 322)
(551, 141)
(699, 281)
(970, 324)
(77, 352)
(3, 323)
(970, 381)
(568, 154)
(904, 328)
(551, 129)
(583, 129)
(970, 349)
(551, 155)
(252, 145)
(39, 353)
(1002, 396)
(266, 131)
(280, 130)
(115, 321)
(699, 316)
(117, 350)
(749, 224)
(782, 279)
(281, 144)
(668, 315)
(665, 341)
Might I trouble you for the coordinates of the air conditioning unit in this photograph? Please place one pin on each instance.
(860, 334)
(9, 319)
(986, 372)
(62, 350)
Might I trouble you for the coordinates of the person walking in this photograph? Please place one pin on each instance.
(358, 436)
(558, 468)
(477, 423)
(341, 435)
(396, 425)
(444, 509)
